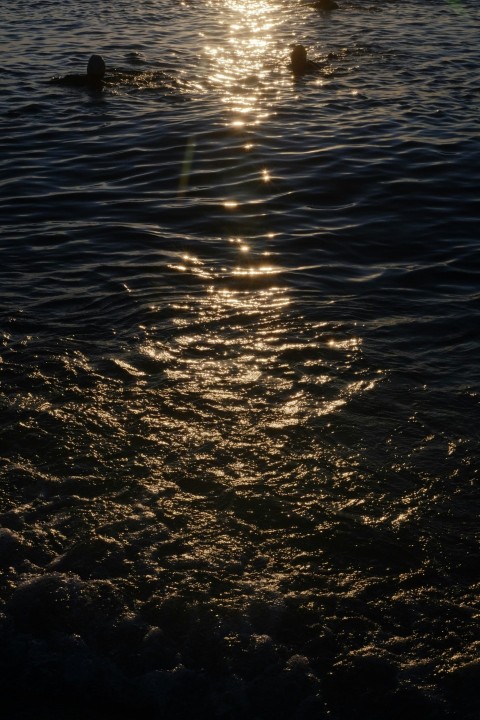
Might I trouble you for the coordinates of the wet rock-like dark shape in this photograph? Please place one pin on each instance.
(463, 687)
(408, 700)
(92, 557)
(178, 694)
(156, 652)
(60, 603)
(259, 655)
(285, 693)
(11, 547)
(170, 611)
(190, 628)
(364, 681)
(322, 647)
(45, 604)
(296, 620)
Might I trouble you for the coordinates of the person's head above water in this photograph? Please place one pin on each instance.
(326, 4)
(96, 68)
(298, 58)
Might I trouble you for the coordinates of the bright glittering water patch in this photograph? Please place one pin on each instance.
(242, 65)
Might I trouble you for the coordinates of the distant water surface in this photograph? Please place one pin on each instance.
(239, 367)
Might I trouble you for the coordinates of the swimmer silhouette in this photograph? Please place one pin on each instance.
(325, 5)
(93, 79)
(98, 78)
(299, 62)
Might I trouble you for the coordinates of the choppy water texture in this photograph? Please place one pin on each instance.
(239, 364)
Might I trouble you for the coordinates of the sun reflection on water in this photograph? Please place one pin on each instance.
(241, 65)
(239, 359)
(241, 368)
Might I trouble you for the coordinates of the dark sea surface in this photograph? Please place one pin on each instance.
(239, 370)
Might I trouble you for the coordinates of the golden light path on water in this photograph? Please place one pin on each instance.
(241, 65)
(241, 360)
(244, 371)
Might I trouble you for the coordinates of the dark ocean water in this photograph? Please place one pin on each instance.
(239, 375)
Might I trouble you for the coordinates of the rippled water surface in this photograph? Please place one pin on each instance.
(239, 364)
